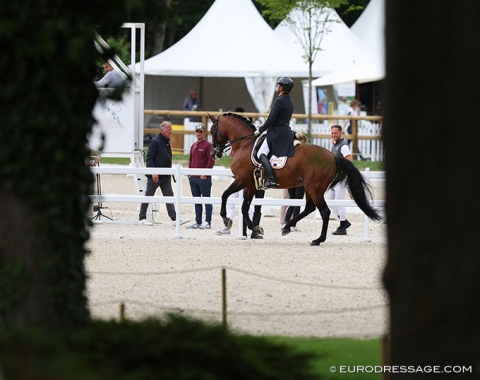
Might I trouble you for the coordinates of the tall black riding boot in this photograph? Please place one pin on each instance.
(271, 181)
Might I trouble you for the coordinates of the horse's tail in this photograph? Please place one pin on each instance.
(358, 187)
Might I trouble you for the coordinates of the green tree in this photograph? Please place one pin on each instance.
(310, 24)
(47, 99)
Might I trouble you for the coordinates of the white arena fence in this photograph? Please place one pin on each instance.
(178, 170)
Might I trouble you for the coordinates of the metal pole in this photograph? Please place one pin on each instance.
(224, 297)
(122, 312)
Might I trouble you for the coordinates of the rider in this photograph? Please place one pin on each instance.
(279, 138)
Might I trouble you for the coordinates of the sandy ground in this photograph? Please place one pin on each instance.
(278, 285)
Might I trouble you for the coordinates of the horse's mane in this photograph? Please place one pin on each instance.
(243, 118)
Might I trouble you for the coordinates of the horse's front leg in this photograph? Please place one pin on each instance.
(233, 188)
(223, 210)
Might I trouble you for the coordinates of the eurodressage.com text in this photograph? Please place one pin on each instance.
(402, 369)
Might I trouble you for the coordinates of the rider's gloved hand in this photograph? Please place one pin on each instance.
(257, 133)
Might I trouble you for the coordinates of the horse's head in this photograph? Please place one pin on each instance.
(219, 140)
(228, 129)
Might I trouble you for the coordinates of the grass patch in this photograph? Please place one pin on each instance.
(331, 353)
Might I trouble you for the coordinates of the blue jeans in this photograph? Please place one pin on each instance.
(201, 188)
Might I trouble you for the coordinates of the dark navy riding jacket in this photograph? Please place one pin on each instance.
(279, 133)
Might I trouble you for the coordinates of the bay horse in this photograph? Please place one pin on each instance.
(312, 166)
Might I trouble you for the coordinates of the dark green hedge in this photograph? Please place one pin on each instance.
(177, 348)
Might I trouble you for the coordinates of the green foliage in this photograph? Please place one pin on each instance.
(47, 99)
(152, 349)
(351, 11)
(121, 47)
(338, 352)
(372, 165)
(279, 9)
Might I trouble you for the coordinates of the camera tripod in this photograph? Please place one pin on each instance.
(98, 207)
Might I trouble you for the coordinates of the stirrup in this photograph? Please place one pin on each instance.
(257, 177)
(269, 184)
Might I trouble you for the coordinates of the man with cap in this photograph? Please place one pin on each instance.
(201, 185)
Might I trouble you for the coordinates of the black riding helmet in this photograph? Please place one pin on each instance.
(286, 83)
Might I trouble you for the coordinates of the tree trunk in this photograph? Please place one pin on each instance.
(23, 279)
(309, 112)
(158, 37)
(432, 199)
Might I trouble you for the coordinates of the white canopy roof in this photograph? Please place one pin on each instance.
(231, 40)
(353, 73)
(339, 48)
(370, 29)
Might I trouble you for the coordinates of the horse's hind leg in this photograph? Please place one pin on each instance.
(309, 208)
(257, 232)
(325, 214)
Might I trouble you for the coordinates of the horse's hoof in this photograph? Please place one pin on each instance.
(257, 232)
(286, 231)
(316, 242)
(261, 231)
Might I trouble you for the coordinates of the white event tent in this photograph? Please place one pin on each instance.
(339, 47)
(341, 52)
(353, 73)
(232, 40)
(370, 29)
(232, 57)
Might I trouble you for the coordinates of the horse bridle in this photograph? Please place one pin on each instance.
(219, 149)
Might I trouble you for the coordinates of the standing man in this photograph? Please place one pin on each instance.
(201, 186)
(339, 148)
(159, 155)
(354, 110)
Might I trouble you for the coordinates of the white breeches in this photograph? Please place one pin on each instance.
(264, 149)
(338, 193)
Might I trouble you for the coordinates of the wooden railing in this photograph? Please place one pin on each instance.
(354, 136)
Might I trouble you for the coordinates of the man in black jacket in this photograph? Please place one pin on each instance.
(159, 155)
